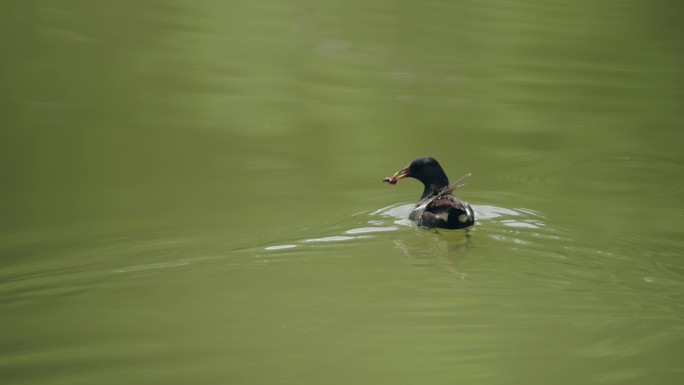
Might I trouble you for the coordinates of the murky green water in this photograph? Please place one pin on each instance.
(191, 192)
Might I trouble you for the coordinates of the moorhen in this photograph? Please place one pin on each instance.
(437, 206)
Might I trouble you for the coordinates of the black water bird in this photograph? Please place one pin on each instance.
(437, 207)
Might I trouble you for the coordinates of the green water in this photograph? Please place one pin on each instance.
(191, 192)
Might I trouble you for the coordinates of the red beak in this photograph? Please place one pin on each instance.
(403, 173)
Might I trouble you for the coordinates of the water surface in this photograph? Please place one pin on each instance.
(191, 193)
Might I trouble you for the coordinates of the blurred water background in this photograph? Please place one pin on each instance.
(191, 192)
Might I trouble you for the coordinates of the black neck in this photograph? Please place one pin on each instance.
(436, 184)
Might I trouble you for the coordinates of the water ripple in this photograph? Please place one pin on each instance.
(605, 173)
